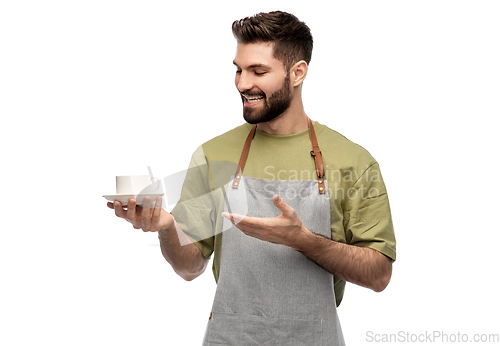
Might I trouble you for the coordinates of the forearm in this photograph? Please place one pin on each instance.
(186, 260)
(362, 266)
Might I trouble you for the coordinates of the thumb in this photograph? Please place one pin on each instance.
(281, 205)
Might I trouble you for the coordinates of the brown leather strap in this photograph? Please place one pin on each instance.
(243, 158)
(318, 159)
(316, 153)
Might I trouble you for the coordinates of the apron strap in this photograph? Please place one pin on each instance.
(243, 158)
(316, 153)
(318, 159)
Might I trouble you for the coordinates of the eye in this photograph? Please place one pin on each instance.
(238, 71)
(259, 73)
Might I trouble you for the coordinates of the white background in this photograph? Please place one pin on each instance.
(94, 89)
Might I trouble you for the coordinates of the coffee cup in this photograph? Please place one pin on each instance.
(136, 184)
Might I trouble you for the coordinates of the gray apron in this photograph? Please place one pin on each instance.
(271, 294)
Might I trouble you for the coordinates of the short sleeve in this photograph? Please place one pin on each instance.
(195, 210)
(367, 214)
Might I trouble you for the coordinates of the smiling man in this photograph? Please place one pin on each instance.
(281, 265)
(270, 98)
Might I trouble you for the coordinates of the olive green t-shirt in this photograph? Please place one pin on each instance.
(359, 206)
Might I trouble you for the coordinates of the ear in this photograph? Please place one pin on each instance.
(298, 72)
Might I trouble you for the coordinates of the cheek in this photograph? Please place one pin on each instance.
(272, 86)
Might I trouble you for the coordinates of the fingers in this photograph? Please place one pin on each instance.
(283, 206)
(119, 211)
(131, 209)
(251, 226)
(146, 217)
(151, 213)
(128, 213)
(234, 218)
(157, 210)
(146, 214)
(247, 221)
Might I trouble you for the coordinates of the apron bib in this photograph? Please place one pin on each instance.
(271, 294)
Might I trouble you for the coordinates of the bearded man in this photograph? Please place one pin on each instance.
(284, 244)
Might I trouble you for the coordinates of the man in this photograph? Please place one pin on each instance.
(293, 224)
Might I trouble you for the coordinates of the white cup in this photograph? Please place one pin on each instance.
(135, 184)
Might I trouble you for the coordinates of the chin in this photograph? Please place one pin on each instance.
(259, 118)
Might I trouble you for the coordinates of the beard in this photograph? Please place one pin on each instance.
(276, 105)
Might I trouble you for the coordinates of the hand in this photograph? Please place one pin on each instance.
(151, 217)
(286, 228)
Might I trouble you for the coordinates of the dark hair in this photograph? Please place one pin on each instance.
(292, 38)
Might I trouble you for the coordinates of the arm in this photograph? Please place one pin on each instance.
(187, 261)
(362, 266)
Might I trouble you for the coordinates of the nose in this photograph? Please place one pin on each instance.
(243, 82)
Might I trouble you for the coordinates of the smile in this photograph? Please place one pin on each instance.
(252, 99)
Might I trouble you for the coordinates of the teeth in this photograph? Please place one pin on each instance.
(253, 99)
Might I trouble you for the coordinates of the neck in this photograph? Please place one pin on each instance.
(293, 120)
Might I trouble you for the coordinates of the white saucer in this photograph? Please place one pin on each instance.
(123, 199)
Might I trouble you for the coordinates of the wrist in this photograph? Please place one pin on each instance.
(302, 239)
(166, 230)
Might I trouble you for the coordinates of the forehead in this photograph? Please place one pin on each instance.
(252, 54)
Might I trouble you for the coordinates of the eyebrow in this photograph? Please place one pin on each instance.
(254, 65)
